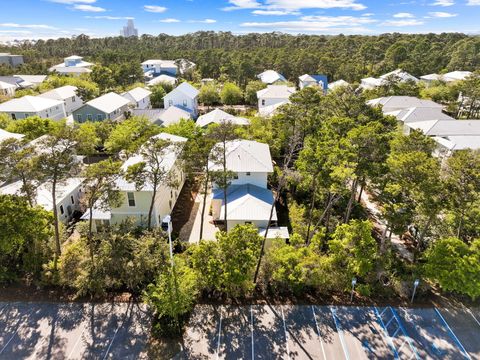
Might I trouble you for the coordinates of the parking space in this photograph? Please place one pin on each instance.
(330, 332)
(73, 331)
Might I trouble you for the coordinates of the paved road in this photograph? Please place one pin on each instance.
(331, 332)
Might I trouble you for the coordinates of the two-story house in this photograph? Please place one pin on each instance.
(272, 97)
(27, 106)
(319, 81)
(157, 67)
(110, 106)
(136, 202)
(249, 201)
(185, 97)
(72, 65)
(67, 94)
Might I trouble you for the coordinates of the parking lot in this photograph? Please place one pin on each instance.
(331, 332)
(73, 331)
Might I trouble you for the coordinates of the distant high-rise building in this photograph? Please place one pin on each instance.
(129, 30)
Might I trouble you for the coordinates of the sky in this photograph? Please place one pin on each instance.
(43, 19)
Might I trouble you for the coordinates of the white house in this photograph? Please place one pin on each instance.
(139, 98)
(450, 77)
(7, 89)
(72, 65)
(67, 94)
(419, 114)
(249, 201)
(27, 106)
(393, 103)
(136, 203)
(219, 116)
(158, 67)
(185, 97)
(68, 196)
(173, 115)
(271, 77)
(337, 84)
(167, 79)
(396, 75)
(110, 106)
(447, 127)
(313, 80)
(274, 95)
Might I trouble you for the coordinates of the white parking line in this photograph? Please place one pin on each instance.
(219, 333)
(385, 332)
(251, 329)
(75, 345)
(286, 335)
(339, 332)
(459, 344)
(473, 316)
(319, 335)
(19, 324)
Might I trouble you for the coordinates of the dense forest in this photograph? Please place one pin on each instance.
(241, 57)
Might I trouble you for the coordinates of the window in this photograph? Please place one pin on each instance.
(170, 204)
(131, 199)
(71, 198)
(171, 194)
(184, 102)
(27, 115)
(61, 210)
(73, 98)
(89, 117)
(248, 223)
(248, 173)
(263, 102)
(14, 117)
(79, 117)
(99, 117)
(235, 176)
(170, 102)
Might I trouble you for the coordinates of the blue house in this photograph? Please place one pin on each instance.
(313, 80)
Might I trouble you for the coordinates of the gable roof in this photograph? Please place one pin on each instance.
(219, 116)
(163, 78)
(392, 103)
(108, 103)
(161, 63)
(447, 127)
(316, 78)
(186, 89)
(419, 114)
(246, 156)
(276, 92)
(138, 93)
(270, 76)
(173, 115)
(246, 202)
(29, 104)
(338, 83)
(5, 85)
(73, 57)
(61, 93)
(459, 142)
(401, 74)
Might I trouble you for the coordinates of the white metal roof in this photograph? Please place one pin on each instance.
(338, 83)
(419, 114)
(74, 57)
(270, 76)
(33, 79)
(246, 203)
(163, 79)
(61, 93)
(431, 77)
(4, 85)
(246, 156)
(173, 115)
(447, 127)
(108, 103)
(138, 93)
(161, 63)
(459, 142)
(392, 103)
(275, 232)
(29, 104)
(44, 191)
(70, 69)
(186, 89)
(271, 110)
(456, 76)
(276, 92)
(4, 135)
(219, 116)
(401, 74)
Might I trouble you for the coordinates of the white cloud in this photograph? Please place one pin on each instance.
(154, 8)
(404, 15)
(73, 1)
(169, 20)
(106, 17)
(473, 3)
(275, 12)
(323, 24)
(15, 32)
(400, 23)
(440, 14)
(27, 26)
(443, 3)
(293, 5)
(368, 14)
(206, 21)
(88, 8)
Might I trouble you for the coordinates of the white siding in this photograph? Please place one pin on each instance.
(178, 99)
(269, 102)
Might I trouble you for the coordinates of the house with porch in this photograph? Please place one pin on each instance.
(27, 106)
(185, 97)
(136, 202)
(110, 106)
